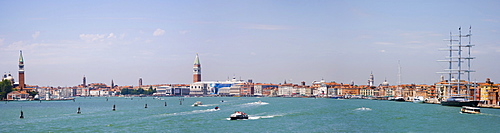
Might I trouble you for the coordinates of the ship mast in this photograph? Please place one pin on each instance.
(456, 57)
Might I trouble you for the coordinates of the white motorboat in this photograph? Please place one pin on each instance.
(198, 103)
(238, 115)
(419, 99)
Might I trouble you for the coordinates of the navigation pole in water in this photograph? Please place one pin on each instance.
(22, 114)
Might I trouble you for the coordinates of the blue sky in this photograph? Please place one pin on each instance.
(267, 41)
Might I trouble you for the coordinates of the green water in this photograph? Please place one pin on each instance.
(271, 115)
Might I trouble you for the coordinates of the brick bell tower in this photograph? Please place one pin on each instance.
(21, 71)
(196, 69)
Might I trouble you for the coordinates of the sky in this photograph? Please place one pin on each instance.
(267, 41)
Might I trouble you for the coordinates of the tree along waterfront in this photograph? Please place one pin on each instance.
(139, 91)
(5, 88)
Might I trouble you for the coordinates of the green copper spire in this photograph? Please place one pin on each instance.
(197, 59)
(21, 60)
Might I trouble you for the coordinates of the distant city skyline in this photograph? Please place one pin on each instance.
(266, 41)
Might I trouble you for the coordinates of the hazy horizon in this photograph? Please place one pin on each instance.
(267, 41)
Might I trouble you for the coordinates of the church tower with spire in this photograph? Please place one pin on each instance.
(84, 81)
(371, 80)
(196, 69)
(21, 71)
(112, 84)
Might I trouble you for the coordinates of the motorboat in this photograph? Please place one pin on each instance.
(198, 103)
(399, 99)
(418, 99)
(238, 115)
(470, 110)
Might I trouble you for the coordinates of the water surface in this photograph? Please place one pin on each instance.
(271, 115)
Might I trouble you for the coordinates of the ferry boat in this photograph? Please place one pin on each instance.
(459, 102)
(470, 110)
(238, 115)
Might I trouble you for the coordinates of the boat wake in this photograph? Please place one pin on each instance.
(206, 105)
(262, 117)
(192, 112)
(363, 109)
(257, 103)
(250, 117)
(486, 114)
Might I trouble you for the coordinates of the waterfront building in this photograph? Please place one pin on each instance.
(246, 89)
(198, 88)
(270, 91)
(351, 90)
(488, 92)
(180, 89)
(163, 91)
(18, 95)
(259, 88)
(172, 90)
(446, 88)
(303, 90)
(368, 91)
(216, 87)
(387, 91)
(285, 90)
(321, 88)
(431, 92)
(197, 69)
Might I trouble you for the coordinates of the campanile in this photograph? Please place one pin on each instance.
(21, 71)
(196, 69)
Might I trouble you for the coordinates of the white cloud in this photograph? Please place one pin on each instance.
(158, 32)
(1, 41)
(92, 37)
(36, 35)
(382, 51)
(24, 45)
(111, 35)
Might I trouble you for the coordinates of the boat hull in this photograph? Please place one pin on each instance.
(237, 117)
(460, 103)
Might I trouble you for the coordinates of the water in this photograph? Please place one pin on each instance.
(272, 115)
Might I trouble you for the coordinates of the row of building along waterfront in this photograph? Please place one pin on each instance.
(487, 91)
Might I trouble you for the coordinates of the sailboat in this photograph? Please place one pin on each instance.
(456, 58)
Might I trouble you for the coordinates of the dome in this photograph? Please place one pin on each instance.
(385, 83)
(10, 78)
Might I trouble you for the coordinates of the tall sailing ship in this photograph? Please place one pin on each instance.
(456, 91)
